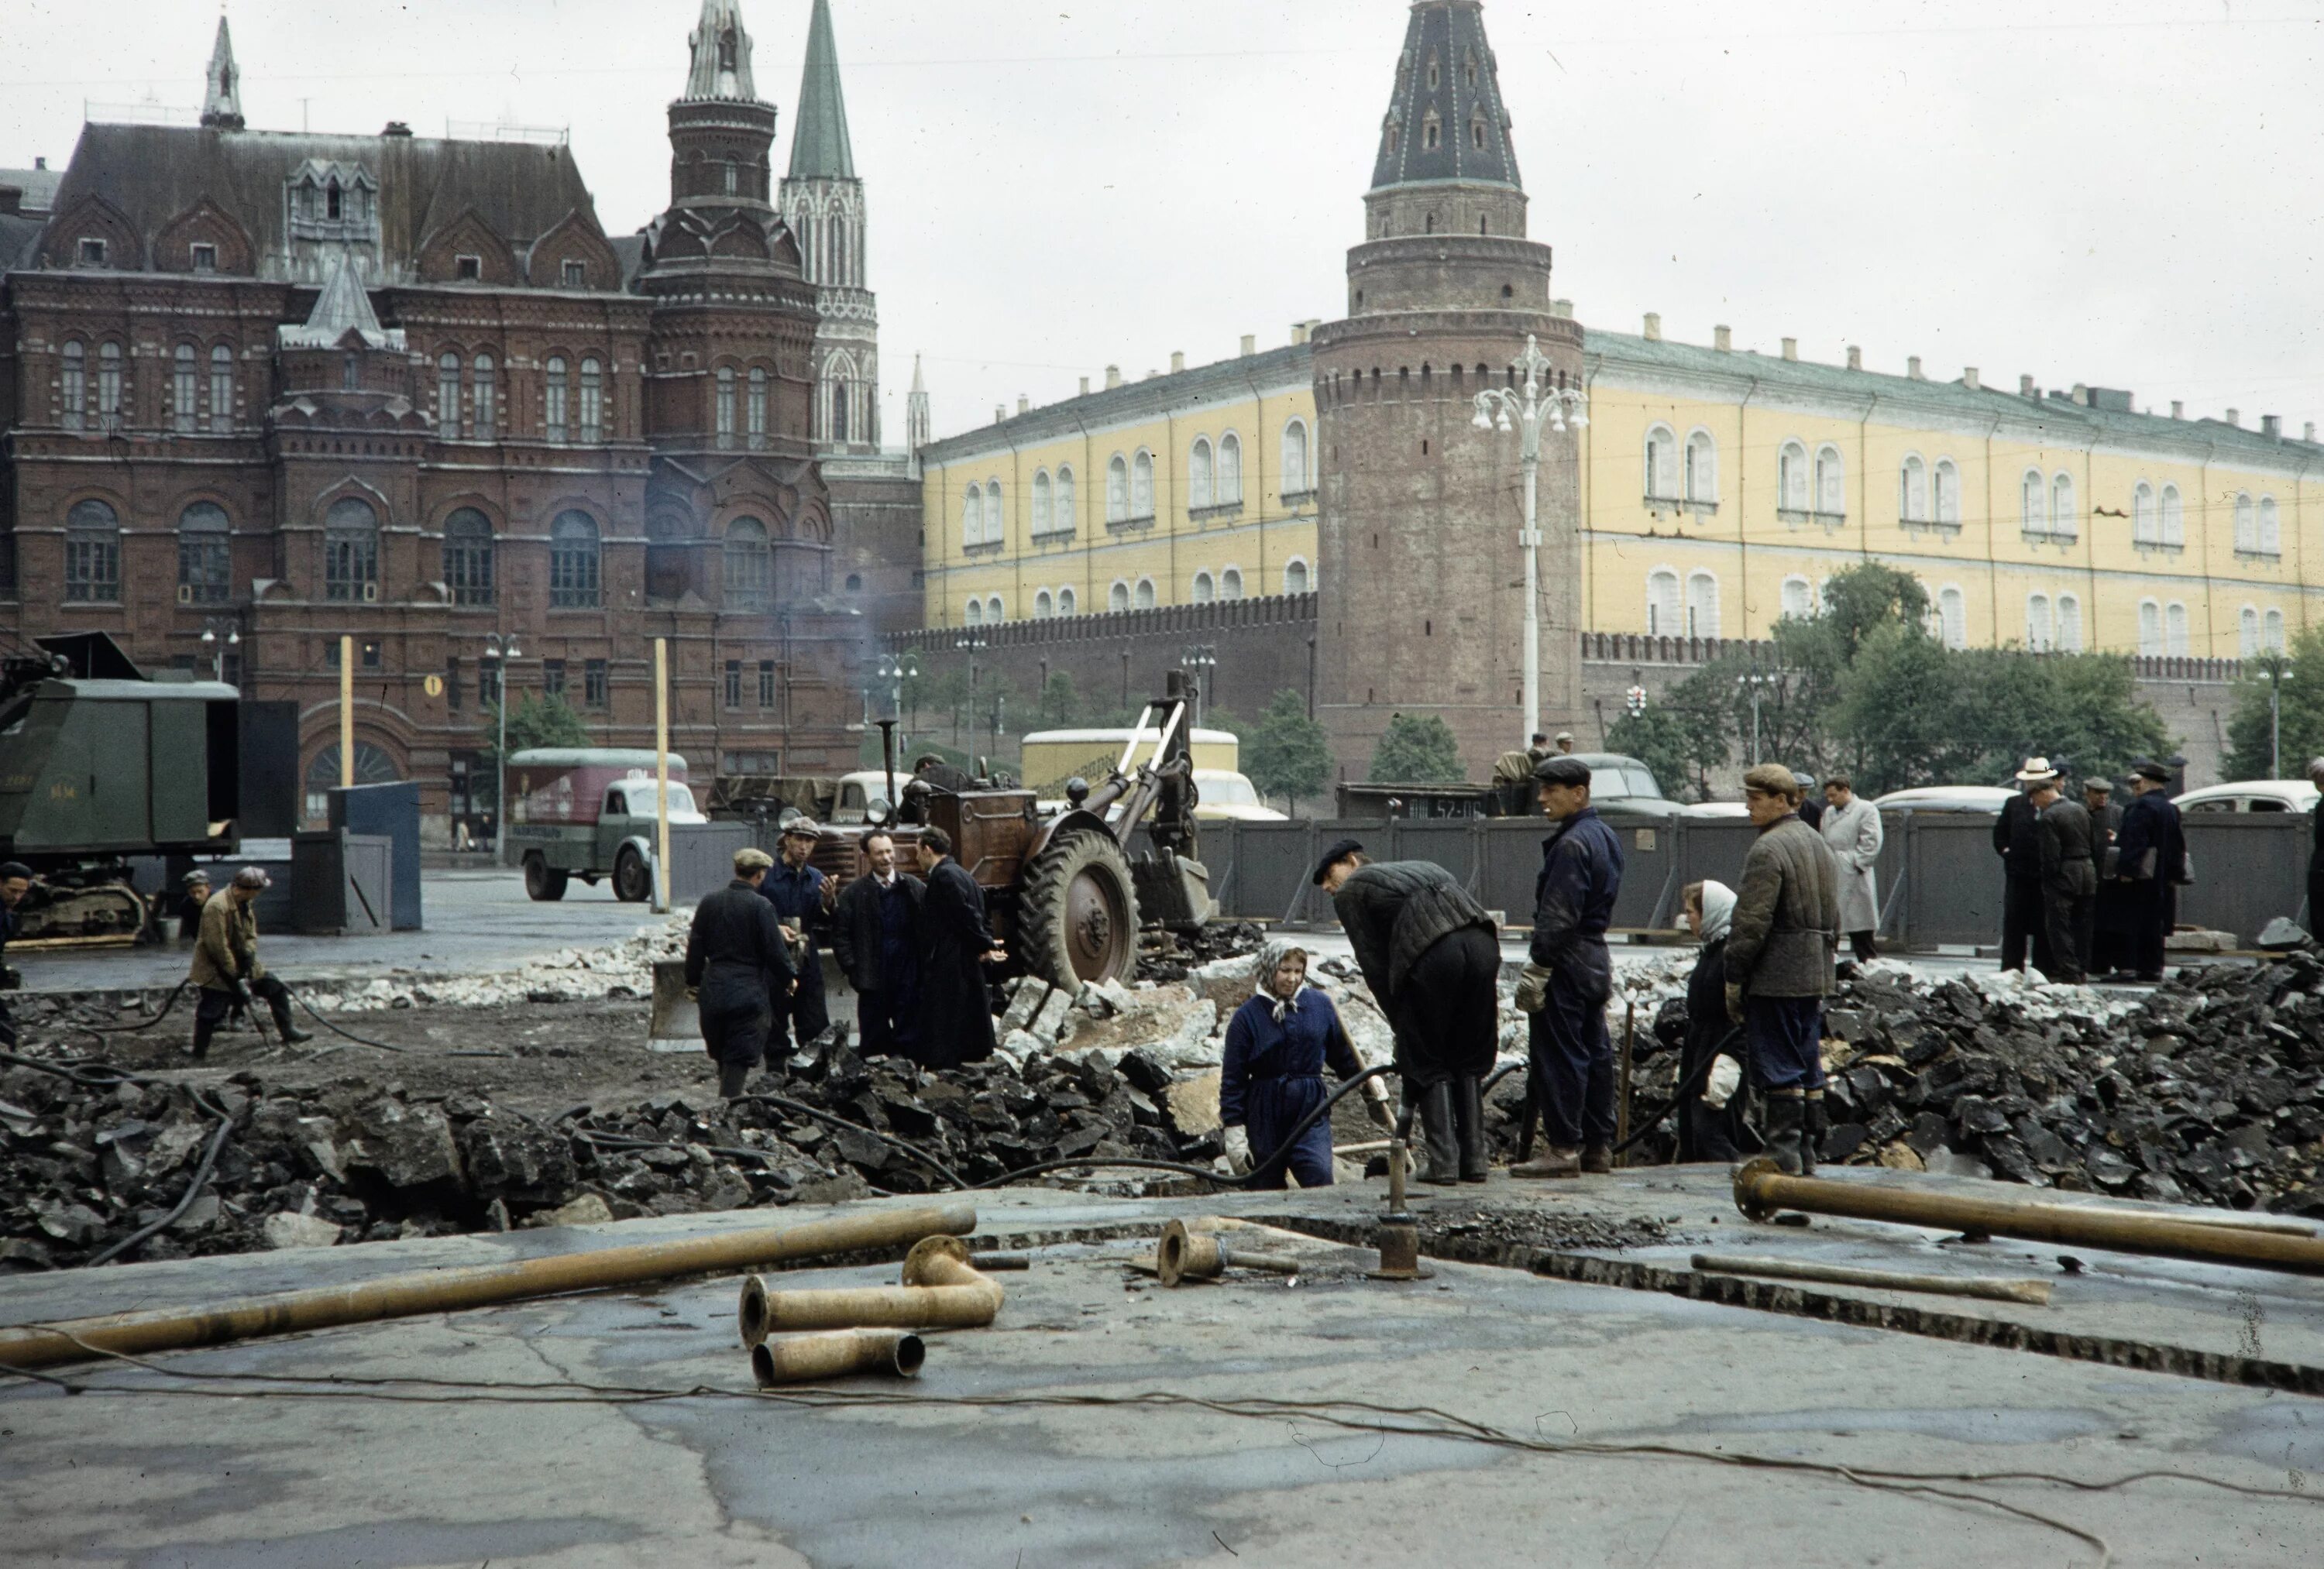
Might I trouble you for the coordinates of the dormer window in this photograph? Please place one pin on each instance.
(1431, 131)
(91, 254)
(205, 258)
(350, 374)
(726, 50)
(469, 269)
(333, 202)
(577, 275)
(1435, 78)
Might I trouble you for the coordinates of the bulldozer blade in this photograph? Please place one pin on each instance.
(677, 1024)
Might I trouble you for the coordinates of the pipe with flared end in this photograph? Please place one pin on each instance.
(1196, 1256)
(1761, 1189)
(450, 1290)
(799, 1358)
(941, 1290)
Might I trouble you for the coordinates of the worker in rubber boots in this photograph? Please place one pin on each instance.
(1271, 1075)
(1779, 962)
(1570, 975)
(226, 962)
(1433, 959)
(15, 882)
(802, 897)
(737, 963)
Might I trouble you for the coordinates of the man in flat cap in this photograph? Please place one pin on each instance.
(2110, 926)
(196, 895)
(2152, 864)
(802, 897)
(737, 963)
(1433, 959)
(1779, 967)
(1570, 976)
(226, 965)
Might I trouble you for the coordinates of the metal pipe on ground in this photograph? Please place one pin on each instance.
(1761, 1189)
(400, 1296)
(799, 1358)
(1989, 1288)
(940, 1291)
(1198, 1255)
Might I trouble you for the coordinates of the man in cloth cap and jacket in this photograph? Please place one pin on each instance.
(1850, 825)
(1433, 960)
(1779, 947)
(2017, 839)
(226, 965)
(1570, 975)
(801, 896)
(2109, 921)
(737, 963)
(2070, 882)
(2149, 865)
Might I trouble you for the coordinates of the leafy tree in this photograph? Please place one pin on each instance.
(2301, 713)
(1286, 753)
(1678, 745)
(1060, 703)
(547, 721)
(1417, 749)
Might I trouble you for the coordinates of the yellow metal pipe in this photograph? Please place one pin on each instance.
(450, 1290)
(1194, 1255)
(940, 1291)
(1761, 1189)
(1986, 1287)
(799, 1358)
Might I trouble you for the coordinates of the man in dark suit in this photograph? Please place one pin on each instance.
(2018, 838)
(2109, 927)
(955, 945)
(737, 963)
(2069, 881)
(2316, 850)
(2151, 866)
(875, 935)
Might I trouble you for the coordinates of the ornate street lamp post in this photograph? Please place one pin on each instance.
(1528, 407)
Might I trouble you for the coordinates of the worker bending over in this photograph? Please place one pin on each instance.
(226, 962)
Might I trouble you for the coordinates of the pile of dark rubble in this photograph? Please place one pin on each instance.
(2208, 1090)
(84, 1166)
(1170, 956)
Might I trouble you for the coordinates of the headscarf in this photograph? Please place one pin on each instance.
(1717, 910)
(1271, 955)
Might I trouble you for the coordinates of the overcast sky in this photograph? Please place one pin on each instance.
(2121, 193)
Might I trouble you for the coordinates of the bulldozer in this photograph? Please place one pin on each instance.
(1066, 892)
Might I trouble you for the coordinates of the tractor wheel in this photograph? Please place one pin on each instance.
(632, 883)
(542, 883)
(1078, 918)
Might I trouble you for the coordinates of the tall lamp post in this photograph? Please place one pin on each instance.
(498, 656)
(970, 643)
(1755, 683)
(214, 645)
(895, 669)
(1200, 658)
(2276, 667)
(1528, 407)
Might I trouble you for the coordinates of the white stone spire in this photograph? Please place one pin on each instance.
(722, 55)
(222, 98)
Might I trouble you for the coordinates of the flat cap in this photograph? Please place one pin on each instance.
(2154, 771)
(1339, 852)
(1561, 770)
(2099, 786)
(802, 826)
(1773, 779)
(751, 859)
(252, 877)
(197, 878)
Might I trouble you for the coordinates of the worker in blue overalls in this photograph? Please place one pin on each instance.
(801, 897)
(1277, 1046)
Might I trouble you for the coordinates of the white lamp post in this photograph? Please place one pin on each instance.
(1528, 408)
(216, 648)
(498, 656)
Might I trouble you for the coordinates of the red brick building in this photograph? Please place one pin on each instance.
(260, 389)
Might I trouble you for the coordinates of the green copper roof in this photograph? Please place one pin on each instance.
(819, 148)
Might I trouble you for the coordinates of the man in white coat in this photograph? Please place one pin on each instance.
(1851, 828)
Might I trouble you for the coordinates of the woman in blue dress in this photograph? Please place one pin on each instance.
(1277, 1046)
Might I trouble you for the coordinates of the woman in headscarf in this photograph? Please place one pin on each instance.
(1278, 1045)
(1707, 1124)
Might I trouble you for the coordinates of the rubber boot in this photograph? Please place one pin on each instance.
(1436, 1130)
(1469, 1126)
(279, 1007)
(203, 1030)
(1786, 1118)
(1812, 1128)
(1596, 1160)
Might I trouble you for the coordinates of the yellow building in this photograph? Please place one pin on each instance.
(1719, 488)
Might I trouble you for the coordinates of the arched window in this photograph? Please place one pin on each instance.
(2175, 517)
(1231, 583)
(993, 531)
(108, 386)
(2271, 528)
(468, 563)
(1117, 489)
(1791, 478)
(975, 612)
(2144, 527)
(1118, 597)
(748, 567)
(2150, 628)
(1702, 605)
(2065, 517)
(72, 389)
(2270, 631)
(2246, 522)
(2069, 624)
(842, 397)
(487, 418)
(554, 399)
(1661, 464)
(92, 554)
(1205, 588)
(1665, 610)
(1229, 482)
(992, 611)
(1141, 484)
(447, 396)
(1796, 599)
(2039, 633)
(972, 516)
(351, 551)
(2247, 630)
(221, 388)
(1198, 473)
(1952, 617)
(1142, 598)
(1065, 602)
(184, 387)
(205, 554)
(1831, 482)
(1912, 490)
(593, 403)
(1947, 491)
(1701, 468)
(724, 412)
(572, 561)
(372, 767)
(1295, 458)
(2174, 628)
(1043, 607)
(754, 413)
(1041, 524)
(1062, 516)
(1295, 577)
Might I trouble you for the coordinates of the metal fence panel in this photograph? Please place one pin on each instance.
(2250, 868)
(1952, 882)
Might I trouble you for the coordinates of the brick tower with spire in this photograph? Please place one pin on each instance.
(1421, 597)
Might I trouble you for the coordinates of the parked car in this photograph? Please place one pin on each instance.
(1946, 798)
(2251, 795)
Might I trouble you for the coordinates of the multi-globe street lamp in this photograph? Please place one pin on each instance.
(1528, 408)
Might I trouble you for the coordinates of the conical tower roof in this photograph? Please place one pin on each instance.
(720, 63)
(1445, 121)
(343, 307)
(819, 146)
(222, 92)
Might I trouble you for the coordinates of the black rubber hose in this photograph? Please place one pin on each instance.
(86, 1071)
(1692, 1083)
(193, 1189)
(334, 1029)
(162, 1012)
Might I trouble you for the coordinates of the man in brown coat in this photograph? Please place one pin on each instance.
(226, 965)
(1779, 949)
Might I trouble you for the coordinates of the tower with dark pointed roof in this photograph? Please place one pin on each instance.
(1420, 606)
(222, 92)
(822, 200)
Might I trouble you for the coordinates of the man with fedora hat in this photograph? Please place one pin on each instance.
(801, 897)
(1433, 960)
(2017, 839)
(2151, 863)
(1565, 987)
